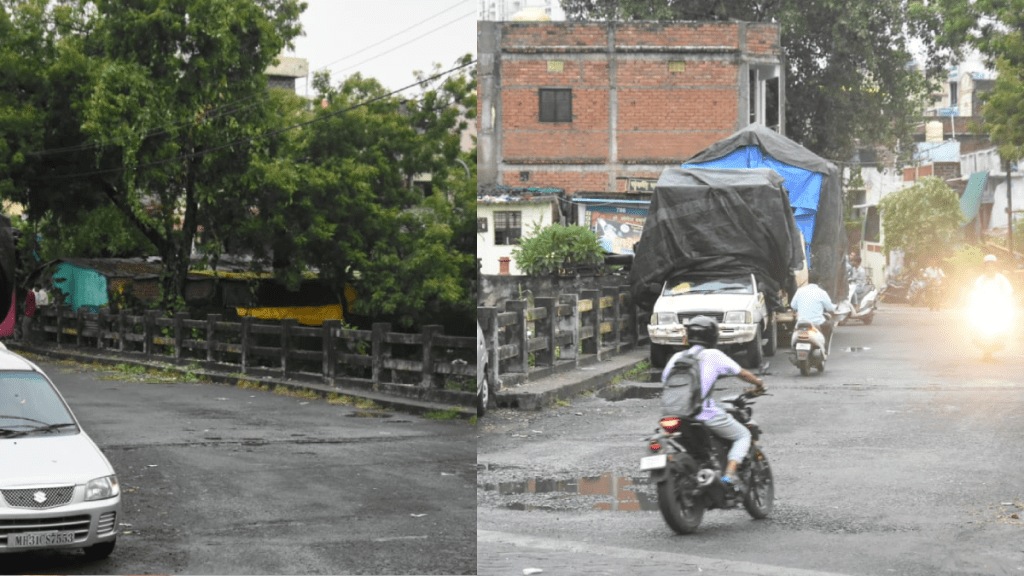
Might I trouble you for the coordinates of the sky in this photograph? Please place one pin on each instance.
(384, 39)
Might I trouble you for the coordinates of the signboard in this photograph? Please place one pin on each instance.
(641, 184)
(617, 229)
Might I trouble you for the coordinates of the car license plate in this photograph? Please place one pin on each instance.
(803, 346)
(656, 462)
(34, 539)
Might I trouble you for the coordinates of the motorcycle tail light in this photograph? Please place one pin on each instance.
(670, 424)
(655, 446)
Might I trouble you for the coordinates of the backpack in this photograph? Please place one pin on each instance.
(681, 395)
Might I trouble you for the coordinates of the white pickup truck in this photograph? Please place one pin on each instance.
(745, 323)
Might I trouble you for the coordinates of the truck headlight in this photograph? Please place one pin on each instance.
(737, 317)
(102, 488)
(664, 318)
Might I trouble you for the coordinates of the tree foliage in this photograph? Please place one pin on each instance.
(558, 249)
(847, 73)
(923, 221)
(153, 119)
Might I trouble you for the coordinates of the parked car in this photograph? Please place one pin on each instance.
(485, 389)
(57, 489)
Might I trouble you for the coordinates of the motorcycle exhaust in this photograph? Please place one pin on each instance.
(706, 477)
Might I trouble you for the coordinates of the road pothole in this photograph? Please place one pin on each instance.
(609, 492)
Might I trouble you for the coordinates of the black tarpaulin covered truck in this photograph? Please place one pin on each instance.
(722, 243)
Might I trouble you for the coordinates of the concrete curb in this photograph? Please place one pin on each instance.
(544, 392)
(409, 405)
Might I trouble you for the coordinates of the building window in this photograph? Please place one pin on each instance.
(508, 228)
(555, 104)
(954, 94)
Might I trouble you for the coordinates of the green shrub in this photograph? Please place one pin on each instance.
(558, 249)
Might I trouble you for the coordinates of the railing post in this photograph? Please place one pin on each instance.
(381, 350)
(571, 325)
(149, 332)
(330, 330)
(245, 335)
(592, 319)
(615, 338)
(101, 322)
(179, 333)
(286, 342)
(520, 337)
(632, 323)
(122, 330)
(79, 326)
(60, 324)
(487, 316)
(211, 333)
(430, 333)
(547, 330)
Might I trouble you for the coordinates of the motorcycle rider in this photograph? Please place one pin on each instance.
(811, 303)
(702, 335)
(856, 274)
(991, 281)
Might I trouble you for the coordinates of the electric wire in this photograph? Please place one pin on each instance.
(319, 118)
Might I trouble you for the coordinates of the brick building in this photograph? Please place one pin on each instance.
(597, 107)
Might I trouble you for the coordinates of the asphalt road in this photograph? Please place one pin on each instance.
(903, 458)
(224, 480)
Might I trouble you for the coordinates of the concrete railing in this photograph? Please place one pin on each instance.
(534, 339)
(428, 365)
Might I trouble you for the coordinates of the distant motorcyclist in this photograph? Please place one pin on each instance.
(811, 303)
(702, 334)
(991, 281)
(856, 274)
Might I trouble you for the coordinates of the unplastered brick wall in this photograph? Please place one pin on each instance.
(644, 95)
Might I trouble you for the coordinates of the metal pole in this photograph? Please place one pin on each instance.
(1009, 211)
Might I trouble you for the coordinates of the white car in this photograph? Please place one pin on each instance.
(57, 490)
(744, 322)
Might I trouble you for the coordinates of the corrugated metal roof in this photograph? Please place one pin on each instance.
(929, 152)
(970, 201)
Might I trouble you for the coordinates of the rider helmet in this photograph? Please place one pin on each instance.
(702, 330)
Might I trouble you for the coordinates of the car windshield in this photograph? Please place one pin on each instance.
(739, 285)
(29, 405)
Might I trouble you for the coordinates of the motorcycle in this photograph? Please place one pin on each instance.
(854, 308)
(809, 348)
(990, 314)
(686, 465)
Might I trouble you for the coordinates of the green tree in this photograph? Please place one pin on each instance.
(923, 221)
(846, 61)
(149, 106)
(558, 249)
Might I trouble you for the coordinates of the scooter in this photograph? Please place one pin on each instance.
(809, 348)
(863, 309)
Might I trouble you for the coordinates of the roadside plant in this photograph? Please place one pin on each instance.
(923, 221)
(558, 250)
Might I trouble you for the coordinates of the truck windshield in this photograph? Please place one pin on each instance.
(716, 286)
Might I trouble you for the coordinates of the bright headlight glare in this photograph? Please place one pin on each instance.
(737, 317)
(102, 488)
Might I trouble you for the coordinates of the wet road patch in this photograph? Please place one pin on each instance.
(608, 492)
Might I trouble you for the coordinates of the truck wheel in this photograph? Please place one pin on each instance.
(659, 355)
(773, 337)
(755, 355)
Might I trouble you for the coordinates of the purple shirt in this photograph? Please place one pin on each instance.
(713, 365)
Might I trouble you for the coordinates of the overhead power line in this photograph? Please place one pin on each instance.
(271, 133)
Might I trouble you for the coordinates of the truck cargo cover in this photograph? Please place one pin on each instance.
(814, 192)
(706, 222)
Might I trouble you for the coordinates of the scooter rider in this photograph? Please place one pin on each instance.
(811, 303)
(856, 274)
(702, 335)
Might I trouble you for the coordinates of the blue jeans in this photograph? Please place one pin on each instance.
(725, 426)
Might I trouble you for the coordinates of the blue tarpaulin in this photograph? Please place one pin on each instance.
(804, 186)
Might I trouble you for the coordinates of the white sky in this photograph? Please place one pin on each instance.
(349, 36)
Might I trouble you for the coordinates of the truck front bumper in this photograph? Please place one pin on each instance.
(675, 334)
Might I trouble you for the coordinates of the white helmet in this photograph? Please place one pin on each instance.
(990, 258)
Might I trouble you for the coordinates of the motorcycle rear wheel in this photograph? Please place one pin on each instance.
(760, 497)
(682, 511)
(805, 367)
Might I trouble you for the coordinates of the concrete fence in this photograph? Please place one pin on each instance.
(428, 365)
(532, 339)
